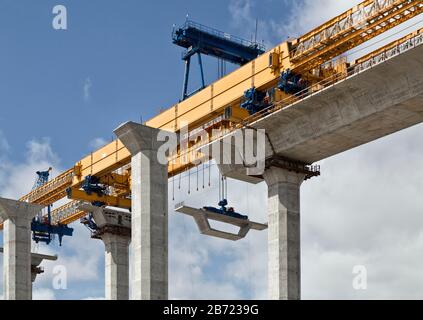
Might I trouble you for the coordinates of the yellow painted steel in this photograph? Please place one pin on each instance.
(108, 200)
(350, 29)
(388, 46)
(52, 191)
(303, 55)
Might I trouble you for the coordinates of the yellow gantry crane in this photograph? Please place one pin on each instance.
(275, 79)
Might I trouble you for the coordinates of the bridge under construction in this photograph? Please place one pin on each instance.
(305, 95)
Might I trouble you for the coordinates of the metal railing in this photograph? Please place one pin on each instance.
(222, 35)
(372, 61)
(60, 214)
(56, 185)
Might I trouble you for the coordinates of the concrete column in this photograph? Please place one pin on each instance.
(149, 212)
(114, 229)
(284, 252)
(116, 266)
(17, 218)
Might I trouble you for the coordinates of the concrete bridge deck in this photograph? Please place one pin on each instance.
(364, 107)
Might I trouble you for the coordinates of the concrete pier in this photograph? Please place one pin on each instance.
(114, 229)
(17, 218)
(149, 212)
(284, 253)
(36, 260)
(116, 266)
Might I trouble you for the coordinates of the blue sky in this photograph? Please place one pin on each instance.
(63, 92)
(121, 51)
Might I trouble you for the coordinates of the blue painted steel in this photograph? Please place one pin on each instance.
(203, 83)
(199, 39)
(254, 100)
(43, 231)
(291, 83)
(42, 178)
(91, 184)
(216, 43)
(226, 211)
(186, 78)
(41, 227)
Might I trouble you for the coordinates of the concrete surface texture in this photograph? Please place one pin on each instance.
(116, 266)
(114, 229)
(149, 213)
(367, 106)
(284, 253)
(17, 218)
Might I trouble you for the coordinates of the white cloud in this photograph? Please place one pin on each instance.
(366, 209)
(87, 89)
(43, 294)
(97, 143)
(80, 255)
(19, 178)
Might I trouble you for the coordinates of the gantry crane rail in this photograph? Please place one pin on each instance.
(316, 48)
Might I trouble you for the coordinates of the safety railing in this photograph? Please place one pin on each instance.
(222, 35)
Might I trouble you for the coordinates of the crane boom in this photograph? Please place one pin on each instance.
(350, 29)
(206, 109)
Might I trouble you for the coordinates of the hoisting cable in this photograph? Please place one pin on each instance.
(203, 174)
(189, 181)
(197, 178)
(173, 182)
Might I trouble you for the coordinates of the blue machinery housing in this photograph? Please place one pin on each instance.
(199, 39)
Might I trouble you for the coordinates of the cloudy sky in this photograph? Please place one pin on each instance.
(63, 92)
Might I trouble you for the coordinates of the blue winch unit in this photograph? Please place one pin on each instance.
(291, 83)
(92, 184)
(226, 211)
(254, 101)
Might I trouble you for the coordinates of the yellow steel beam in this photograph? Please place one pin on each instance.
(52, 191)
(67, 213)
(76, 194)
